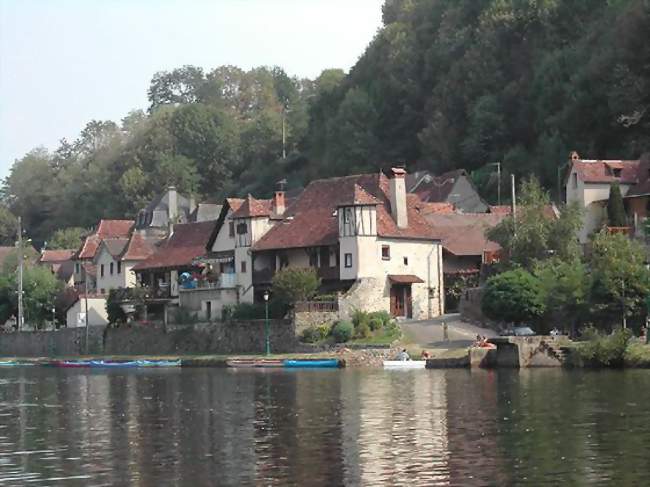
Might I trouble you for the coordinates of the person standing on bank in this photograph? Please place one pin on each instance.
(445, 331)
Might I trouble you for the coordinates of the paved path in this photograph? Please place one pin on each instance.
(429, 334)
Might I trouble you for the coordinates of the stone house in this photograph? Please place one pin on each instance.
(85, 272)
(363, 234)
(588, 183)
(173, 265)
(454, 187)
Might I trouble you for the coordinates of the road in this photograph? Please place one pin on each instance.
(429, 334)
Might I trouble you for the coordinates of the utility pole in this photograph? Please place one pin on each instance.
(19, 244)
(514, 203)
(284, 138)
(86, 304)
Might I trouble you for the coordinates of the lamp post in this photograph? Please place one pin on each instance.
(267, 338)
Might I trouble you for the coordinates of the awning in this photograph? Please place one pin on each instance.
(404, 279)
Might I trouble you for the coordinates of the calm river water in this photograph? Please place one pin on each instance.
(201, 427)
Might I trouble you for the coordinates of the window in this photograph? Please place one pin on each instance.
(313, 259)
(111, 269)
(348, 260)
(119, 267)
(102, 291)
(208, 310)
(385, 252)
(101, 271)
(231, 229)
(347, 215)
(243, 267)
(242, 229)
(406, 261)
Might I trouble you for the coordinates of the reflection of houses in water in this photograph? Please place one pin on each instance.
(395, 428)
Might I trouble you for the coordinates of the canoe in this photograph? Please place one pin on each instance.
(13, 363)
(108, 364)
(71, 364)
(158, 363)
(321, 364)
(405, 364)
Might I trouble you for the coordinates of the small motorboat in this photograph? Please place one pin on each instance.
(405, 364)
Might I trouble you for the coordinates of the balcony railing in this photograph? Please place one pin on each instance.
(316, 306)
(224, 281)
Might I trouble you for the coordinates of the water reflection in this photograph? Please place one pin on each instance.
(330, 427)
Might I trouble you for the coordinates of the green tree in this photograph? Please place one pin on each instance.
(514, 297)
(41, 288)
(564, 288)
(293, 284)
(8, 226)
(537, 233)
(67, 238)
(620, 279)
(615, 209)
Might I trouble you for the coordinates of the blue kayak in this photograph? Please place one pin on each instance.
(321, 364)
(158, 363)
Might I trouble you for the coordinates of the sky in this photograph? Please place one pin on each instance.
(66, 62)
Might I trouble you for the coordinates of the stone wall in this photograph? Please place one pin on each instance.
(307, 319)
(63, 342)
(212, 338)
(534, 351)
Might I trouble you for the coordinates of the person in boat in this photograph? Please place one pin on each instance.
(403, 355)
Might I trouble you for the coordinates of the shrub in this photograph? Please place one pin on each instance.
(342, 331)
(358, 317)
(363, 330)
(182, 316)
(325, 297)
(513, 296)
(315, 334)
(382, 316)
(375, 323)
(256, 311)
(604, 350)
(292, 284)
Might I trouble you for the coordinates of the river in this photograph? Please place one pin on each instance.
(371, 427)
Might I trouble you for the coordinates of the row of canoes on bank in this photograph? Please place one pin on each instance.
(239, 363)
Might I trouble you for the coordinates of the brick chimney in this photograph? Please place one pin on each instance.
(398, 196)
(279, 204)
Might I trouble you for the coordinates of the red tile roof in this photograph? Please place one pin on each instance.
(429, 208)
(139, 248)
(48, 256)
(311, 220)
(105, 229)
(252, 207)
(188, 242)
(602, 171)
(359, 196)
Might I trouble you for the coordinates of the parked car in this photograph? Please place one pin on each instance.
(518, 331)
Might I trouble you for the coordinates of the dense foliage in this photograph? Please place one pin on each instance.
(615, 208)
(514, 297)
(293, 284)
(604, 350)
(444, 84)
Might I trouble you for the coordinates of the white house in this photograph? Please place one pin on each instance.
(96, 306)
(588, 183)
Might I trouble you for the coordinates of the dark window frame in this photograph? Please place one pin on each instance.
(231, 229)
(347, 257)
(101, 270)
(243, 267)
(119, 267)
(385, 252)
(111, 268)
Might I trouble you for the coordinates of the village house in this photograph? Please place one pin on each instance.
(60, 264)
(173, 265)
(454, 187)
(363, 234)
(588, 183)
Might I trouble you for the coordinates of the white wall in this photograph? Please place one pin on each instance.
(97, 314)
(125, 278)
(587, 195)
(224, 241)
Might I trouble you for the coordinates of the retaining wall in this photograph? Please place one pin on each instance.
(207, 338)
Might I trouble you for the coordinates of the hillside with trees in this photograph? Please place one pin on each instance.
(444, 84)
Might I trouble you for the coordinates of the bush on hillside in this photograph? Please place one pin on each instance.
(293, 284)
(514, 296)
(602, 350)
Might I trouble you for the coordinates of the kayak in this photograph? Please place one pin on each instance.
(13, 363)
(158, 363)
(103, 363)
(325, 363)
(405, 364)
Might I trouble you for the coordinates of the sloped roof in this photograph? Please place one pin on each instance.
(311, 220)
(187, 242)
(229, 204)
(358, 196)
(549, 211)
(63, 270)
(602, 171)
(438, 188)
(444, 207)
(205, 212)
(253, 207)
(463, 234)
(48, 256)
(105, 230)
(115, 246)
(139, 247)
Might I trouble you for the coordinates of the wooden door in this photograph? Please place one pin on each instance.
(397, 300)
(408, 298)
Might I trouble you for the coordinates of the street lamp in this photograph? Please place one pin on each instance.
(267, 338)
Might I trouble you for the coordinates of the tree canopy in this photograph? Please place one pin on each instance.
(444, 84)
